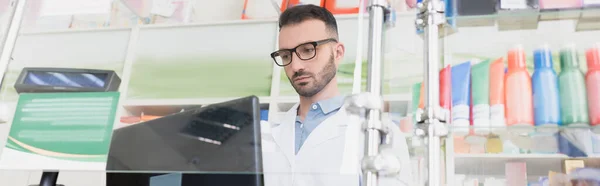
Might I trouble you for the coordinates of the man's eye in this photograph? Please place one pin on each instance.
(308, 50)
(287, 56)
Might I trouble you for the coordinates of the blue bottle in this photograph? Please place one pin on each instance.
(545, 90)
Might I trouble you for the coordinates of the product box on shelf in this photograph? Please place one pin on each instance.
(84, 13)
(570, 165)
(591, 9)
(479, 12)
(270, 9)
(591, 3)
(560, 4)
(517, 14)
(181, 11)
(560, 9)
(516, 173)
(127, 13)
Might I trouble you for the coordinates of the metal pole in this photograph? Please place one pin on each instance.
(430, 17)
(374, 81)
(431, 80)
(11, 37)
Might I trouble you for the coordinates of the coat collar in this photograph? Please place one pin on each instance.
(332, 104)
(330, 128)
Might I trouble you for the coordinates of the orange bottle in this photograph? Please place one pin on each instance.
(497, 112)
(518, 93)
(592, 79)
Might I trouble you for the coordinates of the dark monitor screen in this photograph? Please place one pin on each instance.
(217, 138)
(66, 79)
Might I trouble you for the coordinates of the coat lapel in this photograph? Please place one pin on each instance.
(284, 134)
(330, 128)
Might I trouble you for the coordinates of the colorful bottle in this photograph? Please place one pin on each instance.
(545, 90)
(497, 114)
(519, 101)
(480, 95)
(416, 99)
(461, 88)
(592, 80)
(446, 91)
(571, 84)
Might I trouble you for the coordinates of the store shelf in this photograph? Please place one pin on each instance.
(285, 100)
(168, 106)
(177, 102)
(74, 30)
(525, 19)
(494, 164)
(192, 24)
(586, 12)
(393, 100)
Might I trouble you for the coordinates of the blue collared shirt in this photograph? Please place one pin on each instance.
(317, 113)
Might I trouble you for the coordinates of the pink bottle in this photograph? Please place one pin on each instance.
(519, 100)
(592, 81)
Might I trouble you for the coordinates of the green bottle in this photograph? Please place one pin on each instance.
(571, 86)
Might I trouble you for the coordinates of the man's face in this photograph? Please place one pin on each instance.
(309, 77)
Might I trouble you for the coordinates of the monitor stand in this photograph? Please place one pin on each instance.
(49, 179)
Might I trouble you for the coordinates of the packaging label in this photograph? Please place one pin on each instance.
(591, 2)
(481, 115)
(497, 116)
(513, 4)
(460, 115)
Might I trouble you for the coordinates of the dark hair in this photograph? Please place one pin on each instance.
(299, 13)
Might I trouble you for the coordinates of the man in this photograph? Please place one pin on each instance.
(310, 147)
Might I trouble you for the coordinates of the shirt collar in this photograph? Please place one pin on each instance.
(331, 104)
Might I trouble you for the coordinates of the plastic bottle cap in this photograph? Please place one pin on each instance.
(542, 58)
(593, 58)
(516, 59)
(568, 58)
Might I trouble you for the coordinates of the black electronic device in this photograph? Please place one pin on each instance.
(476, 7)
(66, 80)
(216, 139)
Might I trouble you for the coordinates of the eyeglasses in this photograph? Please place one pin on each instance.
(304, 51)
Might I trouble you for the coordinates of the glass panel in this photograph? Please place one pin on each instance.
(190, 62)
(520, 99)
(103, 50)
(6, 11)
(348, 34)
(16, 177)
(510, 154)
(88, 50)
(402, 56)
(52, 15)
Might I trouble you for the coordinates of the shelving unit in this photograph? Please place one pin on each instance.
(132, 45)
(134, 52)
(478, 38)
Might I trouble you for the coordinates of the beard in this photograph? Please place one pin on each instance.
(319, 81)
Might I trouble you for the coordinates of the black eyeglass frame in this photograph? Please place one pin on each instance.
(293, 50)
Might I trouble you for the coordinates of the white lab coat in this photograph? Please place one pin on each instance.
(324, 159)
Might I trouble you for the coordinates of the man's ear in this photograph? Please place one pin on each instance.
(340, 50)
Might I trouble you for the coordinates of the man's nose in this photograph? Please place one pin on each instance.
(297, 63)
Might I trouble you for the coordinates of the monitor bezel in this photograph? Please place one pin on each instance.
(112, 81)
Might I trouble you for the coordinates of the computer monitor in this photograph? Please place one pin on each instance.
(222, 138)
